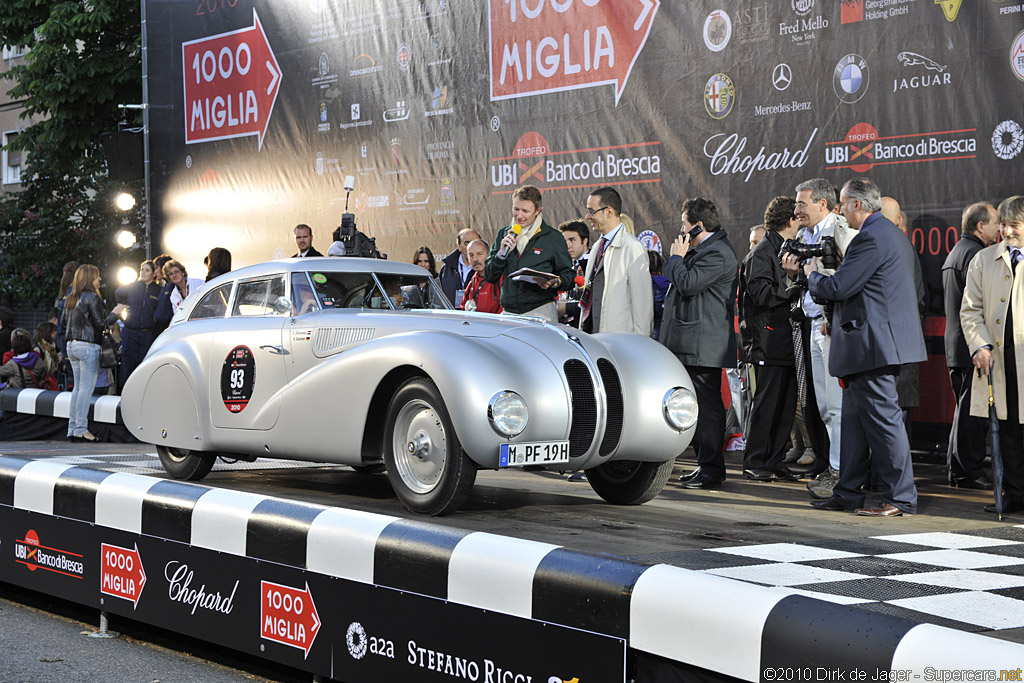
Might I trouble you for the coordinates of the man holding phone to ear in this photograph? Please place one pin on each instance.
(697, 326)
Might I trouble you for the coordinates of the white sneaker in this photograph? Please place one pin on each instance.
(807, 458)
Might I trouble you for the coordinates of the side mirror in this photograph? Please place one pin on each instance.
(282, 305)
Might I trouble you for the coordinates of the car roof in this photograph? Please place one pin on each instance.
(333, 264)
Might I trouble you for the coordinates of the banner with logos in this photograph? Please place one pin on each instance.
(336, 628)
(440, 108)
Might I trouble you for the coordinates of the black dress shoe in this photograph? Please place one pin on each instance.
(783, 473)
(1008, 507)
(832, 504)
(690, 475)
(981, 483)
(703, 481)
(75, 439)
(758, 474)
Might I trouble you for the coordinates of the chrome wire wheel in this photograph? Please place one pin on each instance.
(420, 446)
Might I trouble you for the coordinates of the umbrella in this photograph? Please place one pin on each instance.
(997, 455)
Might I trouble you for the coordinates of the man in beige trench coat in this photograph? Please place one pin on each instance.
(992, 318)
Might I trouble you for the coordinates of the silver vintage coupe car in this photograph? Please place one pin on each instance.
(362, 362)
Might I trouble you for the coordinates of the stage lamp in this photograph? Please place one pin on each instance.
(126, 274)
(125, 201)
(125, 239)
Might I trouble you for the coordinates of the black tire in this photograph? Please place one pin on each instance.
(629, 482)
(181, 463)
(369, 469)
(429, 471)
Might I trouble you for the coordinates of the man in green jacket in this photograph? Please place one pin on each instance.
(537, 246)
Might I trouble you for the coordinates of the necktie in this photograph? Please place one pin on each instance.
(1015, 257)
(587, 300)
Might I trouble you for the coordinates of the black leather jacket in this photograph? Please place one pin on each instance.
(86, 320)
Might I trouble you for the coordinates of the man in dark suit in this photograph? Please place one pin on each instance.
(698, 327)
(875, 329)
(980, 227)
(766, 345)
(304, 240)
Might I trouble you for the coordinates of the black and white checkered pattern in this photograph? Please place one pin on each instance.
(694, 617)
(106, 409)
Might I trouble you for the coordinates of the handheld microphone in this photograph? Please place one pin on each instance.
(580, 281)
(516, 229)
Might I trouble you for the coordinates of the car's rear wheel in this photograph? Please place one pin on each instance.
(425, 463)
(629, 482)
(182, 463)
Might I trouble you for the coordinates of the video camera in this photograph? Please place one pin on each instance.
(356, 243)
(827, 250)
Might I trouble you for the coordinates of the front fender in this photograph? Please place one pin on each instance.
(647, 371)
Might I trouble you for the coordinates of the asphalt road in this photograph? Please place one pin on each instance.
(535, 506)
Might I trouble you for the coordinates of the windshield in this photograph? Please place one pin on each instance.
(384, 292)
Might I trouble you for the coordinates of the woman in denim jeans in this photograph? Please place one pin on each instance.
(85, 324)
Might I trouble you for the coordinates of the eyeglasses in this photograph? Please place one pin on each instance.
(591, 212)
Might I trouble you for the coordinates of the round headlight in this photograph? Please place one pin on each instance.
(680, 408)
(508, 413)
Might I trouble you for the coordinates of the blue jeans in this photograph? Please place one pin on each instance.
(85, 364)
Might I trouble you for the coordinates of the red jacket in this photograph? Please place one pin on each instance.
(486, 294)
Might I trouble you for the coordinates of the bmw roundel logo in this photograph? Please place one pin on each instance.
(850, 78)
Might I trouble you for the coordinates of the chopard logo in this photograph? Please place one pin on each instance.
(179, 582)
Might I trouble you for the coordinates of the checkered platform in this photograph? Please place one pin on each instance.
(149, 463)
(970, 580)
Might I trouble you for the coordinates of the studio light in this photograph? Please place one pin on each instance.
(125, 201)
(126, 274)
(125, 239)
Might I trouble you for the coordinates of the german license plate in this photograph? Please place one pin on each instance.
(538, 453)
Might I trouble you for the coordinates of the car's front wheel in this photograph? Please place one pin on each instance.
(629, 482)
(425, 463)
(182, 463)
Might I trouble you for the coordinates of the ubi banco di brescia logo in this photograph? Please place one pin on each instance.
(803, 28)
(529, 163)
(863, 148)
(34, 555)
(728, 157)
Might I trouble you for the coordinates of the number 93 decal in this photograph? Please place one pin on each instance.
(237, 378)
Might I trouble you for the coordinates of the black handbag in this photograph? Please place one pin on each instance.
(108, 350)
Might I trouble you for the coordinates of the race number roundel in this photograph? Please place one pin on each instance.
(237, 378)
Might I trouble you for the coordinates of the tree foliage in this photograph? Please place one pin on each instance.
(83, 59)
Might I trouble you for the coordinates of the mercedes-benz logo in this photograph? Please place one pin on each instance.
(782, 76)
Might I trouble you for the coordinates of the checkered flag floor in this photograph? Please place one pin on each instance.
(971, 580)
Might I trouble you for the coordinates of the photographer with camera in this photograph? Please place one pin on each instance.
(875, 330)
(815, 201)
(766, 345)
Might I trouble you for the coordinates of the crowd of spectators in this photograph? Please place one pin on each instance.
(828, 267)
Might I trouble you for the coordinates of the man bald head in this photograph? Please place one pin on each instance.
(891, 210)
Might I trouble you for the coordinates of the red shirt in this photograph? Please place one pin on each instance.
(486, 294)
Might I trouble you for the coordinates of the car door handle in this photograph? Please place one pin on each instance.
(279, 350)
